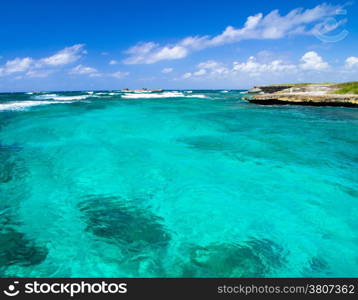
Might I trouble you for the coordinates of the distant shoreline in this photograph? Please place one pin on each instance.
(326, 94)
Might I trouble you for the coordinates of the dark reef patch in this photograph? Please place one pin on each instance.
(255, 258)
(15, 247)
(318, 264)
(6, 171)
(133, 228)
(208, 143)
(318, 267)
(7, 166)
(95, 106)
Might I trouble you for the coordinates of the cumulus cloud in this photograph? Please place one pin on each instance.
(39, 68)
(149, 53)
(271, 26)
(83, 70)
(65, 56)
(351, 62)
(186, 75)
(113, 62)
(200, 72)
(210, 64)
(213, 67)
(252, 67)
(33, 67)
(312, 61)
(92, 72)
(16, 65)
(167, 70)
(39, 73)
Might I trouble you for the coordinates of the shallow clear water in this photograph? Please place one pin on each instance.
(198, 184)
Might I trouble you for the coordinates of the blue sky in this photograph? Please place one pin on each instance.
(84, 45)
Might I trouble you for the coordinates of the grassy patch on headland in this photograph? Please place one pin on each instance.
(347, 88)
(302, 84)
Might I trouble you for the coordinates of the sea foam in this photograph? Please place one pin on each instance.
(45, 96)
(153, 95)
(69, 98)
(62, 98)
(21, 105)
(174, 94)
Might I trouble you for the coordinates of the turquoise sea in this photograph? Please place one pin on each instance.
(176, 184)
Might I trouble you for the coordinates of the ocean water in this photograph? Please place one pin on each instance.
(176, 184)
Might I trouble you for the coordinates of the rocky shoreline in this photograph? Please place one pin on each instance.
(314, 95)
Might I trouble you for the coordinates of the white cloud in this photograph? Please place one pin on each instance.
(148, 53)
(271, 26)
(254, 68)
(92, 72)
(186, 75)
(65, 56)
(43, 67)
(351, 62)
(139, 52)
(312, 61)
(16, 65)
(167, 70)
(213, 66)
(119, 74)
(80, 69)
(166, 53)
(39, 73)
(33, 67)
(210, 64)
(113, 62)
(200, 72)
(251, 67)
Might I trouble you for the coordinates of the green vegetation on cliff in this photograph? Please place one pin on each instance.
(336, 88)
(301, 84)
(347, 88)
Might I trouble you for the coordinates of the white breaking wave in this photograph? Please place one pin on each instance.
(153, 95)
(23, 105)
(45, 96)
(62, 98)
(106, 94)
(174, 94)
(69, 98)
(226, 91)
(196, 96)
